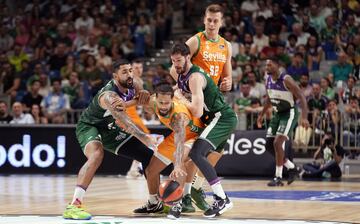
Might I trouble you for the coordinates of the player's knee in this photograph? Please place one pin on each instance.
(96, 155)
(278, 142)
(200, 149)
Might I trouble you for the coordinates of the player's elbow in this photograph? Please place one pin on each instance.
(197, 113)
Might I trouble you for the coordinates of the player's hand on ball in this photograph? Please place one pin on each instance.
(177, 172)
(143, 97)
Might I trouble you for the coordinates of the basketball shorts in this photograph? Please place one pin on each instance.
(167, 148)
(283, 123)
(112, 138)
(219, 129)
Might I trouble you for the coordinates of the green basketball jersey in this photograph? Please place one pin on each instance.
(213, 98)
(95, 115)
(281, 98)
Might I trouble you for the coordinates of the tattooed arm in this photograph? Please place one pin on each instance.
(178, 124)
(109, 100)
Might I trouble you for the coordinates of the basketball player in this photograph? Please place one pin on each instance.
(174, 149)
(212, 53)
(96, 131)
(131, 111)
(282, 92)
(204, 96)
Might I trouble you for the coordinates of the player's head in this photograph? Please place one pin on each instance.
(180, 57)
(138, 68)
(213, 18)
(272, 66)
(164, 96)
(123, 73)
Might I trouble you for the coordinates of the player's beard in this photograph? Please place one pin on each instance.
(163, 114)
(182, 70)
(128, 83)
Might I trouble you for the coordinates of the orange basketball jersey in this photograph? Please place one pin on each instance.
(211, 55)
(195, 126)
(134, 116)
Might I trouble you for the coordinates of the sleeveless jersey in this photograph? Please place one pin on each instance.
(213, 98)
(134, 116)
(95, 115)
(211, 55)
(281, 98)
(195, 125)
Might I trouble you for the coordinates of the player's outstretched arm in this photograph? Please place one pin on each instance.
(178, 124)
(109, 100)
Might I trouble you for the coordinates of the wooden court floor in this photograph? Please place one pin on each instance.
(111, 195)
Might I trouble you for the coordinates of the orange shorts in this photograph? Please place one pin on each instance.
(166, 149)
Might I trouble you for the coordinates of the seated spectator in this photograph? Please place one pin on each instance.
(252, 111)
(236, 74)
(58, 60)
(6, 40)
(5, 117)
(9, 80)
(304, 85)
(316, 103)
(302, 37)
(315, 53)
(297, 67)
(270, 50)
(19, 116)
(331, 155)
(349, 91)
(351, 134)
(38, 116)
(18, 57)
(291, 45)
(283, 57)
(75, 91)
(32, 97)
(71, 66)
(342, 69)
(55, 104)
(326, 88)
(257, 89)
(91, 75)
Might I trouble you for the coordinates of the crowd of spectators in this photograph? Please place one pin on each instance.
(316, 42)
(57, 54)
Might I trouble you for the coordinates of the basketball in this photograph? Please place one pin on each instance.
(170, 192)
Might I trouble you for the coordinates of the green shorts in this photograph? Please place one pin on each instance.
(218, 131)
(112, 138)
(283, 123)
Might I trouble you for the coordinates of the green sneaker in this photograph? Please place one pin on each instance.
(187, 207)
(198, 197)
(76, 213)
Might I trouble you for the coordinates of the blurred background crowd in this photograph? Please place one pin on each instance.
(55, 55)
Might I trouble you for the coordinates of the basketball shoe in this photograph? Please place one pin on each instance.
(175, 211)
(198, 197)
(218, 207)
(187, 207)
(150, 208)
(276, 182)
(76, 212)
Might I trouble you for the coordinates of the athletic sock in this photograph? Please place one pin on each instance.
(78, 194)
(198, 182)
(187, 188)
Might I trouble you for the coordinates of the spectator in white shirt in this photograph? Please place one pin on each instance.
(19, 116)
(84, 20)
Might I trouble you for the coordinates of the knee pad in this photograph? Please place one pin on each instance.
(201, 148)
(270, 145)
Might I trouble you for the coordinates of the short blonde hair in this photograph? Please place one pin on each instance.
(214, 8)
